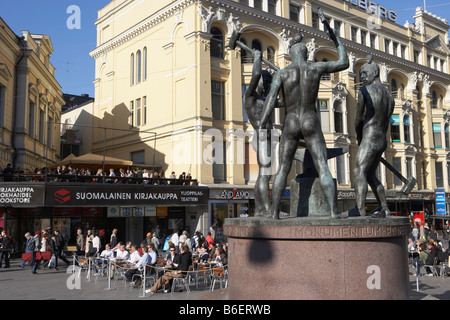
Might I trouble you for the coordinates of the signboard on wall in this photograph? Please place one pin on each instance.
(106, 195)
(440, 202)
(22, 195)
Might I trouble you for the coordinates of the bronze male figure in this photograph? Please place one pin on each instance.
(373, 112)
(298, 85)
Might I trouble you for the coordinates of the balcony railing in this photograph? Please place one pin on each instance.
(24, 178)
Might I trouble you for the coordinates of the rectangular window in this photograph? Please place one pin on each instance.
(132, 69)
(439, 175)
(373, 38)
(138, 113)
(337, 26)
(218, 100)
(363, 37)
(257, 4)
(50, 133)
(31, 108)
(395, 128)
(315, 20)
(416, 56)
(397, 164)
(131, 113)
(144, 107)
(324, 114)
(272, 6)
(395, 48)
(354, 34)
(2, 105)
(448, 173)
(340, 166)
(294, 13)
(138, 157)
(409, 166)
(41, 125)
(244, 2)
(406, 129)
(403, 52)
(219, 165)
(437, 135)
(387, 46)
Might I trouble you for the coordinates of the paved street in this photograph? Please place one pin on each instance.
(19, 284)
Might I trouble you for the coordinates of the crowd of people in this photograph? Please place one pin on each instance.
(122, 175)
(177, 251)
(426, 249)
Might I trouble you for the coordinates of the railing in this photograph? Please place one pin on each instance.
(25, 177)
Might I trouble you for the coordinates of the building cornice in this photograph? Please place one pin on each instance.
(141, 27)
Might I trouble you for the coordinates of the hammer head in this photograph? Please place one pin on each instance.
(411, 183)
(235, 36)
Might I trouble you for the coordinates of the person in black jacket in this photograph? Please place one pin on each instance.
(59, 247)
(180, 265)
(5, 249)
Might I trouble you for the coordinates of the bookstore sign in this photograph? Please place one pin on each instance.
(21, 196)
(103, 195)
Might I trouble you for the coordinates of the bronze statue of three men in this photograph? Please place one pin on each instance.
(295, 88)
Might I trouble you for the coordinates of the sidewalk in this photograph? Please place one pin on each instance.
(19, 284)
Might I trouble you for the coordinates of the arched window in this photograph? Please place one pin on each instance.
(256, 45)
(338, 118)
(217, 46)
(138, 67)
(406, 129)
(434, 100)
(394, 88)
(132, 68)
(145, 63)
(271, 54)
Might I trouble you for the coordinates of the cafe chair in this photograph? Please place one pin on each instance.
(180, 281)
(219, 275)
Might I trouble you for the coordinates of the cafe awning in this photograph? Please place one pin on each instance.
(94, 162)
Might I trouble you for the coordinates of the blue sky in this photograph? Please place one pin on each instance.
(74, 66)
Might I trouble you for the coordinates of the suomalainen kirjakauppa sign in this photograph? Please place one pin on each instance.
(16, 195)
(102, 194)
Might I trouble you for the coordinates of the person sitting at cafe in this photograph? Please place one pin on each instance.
(219, 256)
(107, 253)
(138, 268)
(181, 265)
(172, 253)
(204, 255)
(134, 254)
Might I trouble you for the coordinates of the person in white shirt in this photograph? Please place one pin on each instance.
(107, 253)
(96, 243)
(175, 238)
(122, 254)
(134, 256)
(139, 267)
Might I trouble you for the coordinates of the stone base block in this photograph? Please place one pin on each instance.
(318, 258)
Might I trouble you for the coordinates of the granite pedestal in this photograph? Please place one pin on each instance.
(318, 258)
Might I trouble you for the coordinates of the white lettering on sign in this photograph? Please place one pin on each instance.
(374, 8)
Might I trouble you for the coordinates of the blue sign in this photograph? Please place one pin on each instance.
(440, 202)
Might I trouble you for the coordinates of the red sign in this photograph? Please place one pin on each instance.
(418, 217)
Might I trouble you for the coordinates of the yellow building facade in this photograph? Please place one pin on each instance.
(30, 101)
(163, 71)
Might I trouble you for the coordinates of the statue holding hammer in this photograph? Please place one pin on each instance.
(374, 109)
(298, 84)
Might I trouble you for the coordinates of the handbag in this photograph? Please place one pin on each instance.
(52, 263)
(27, 256)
